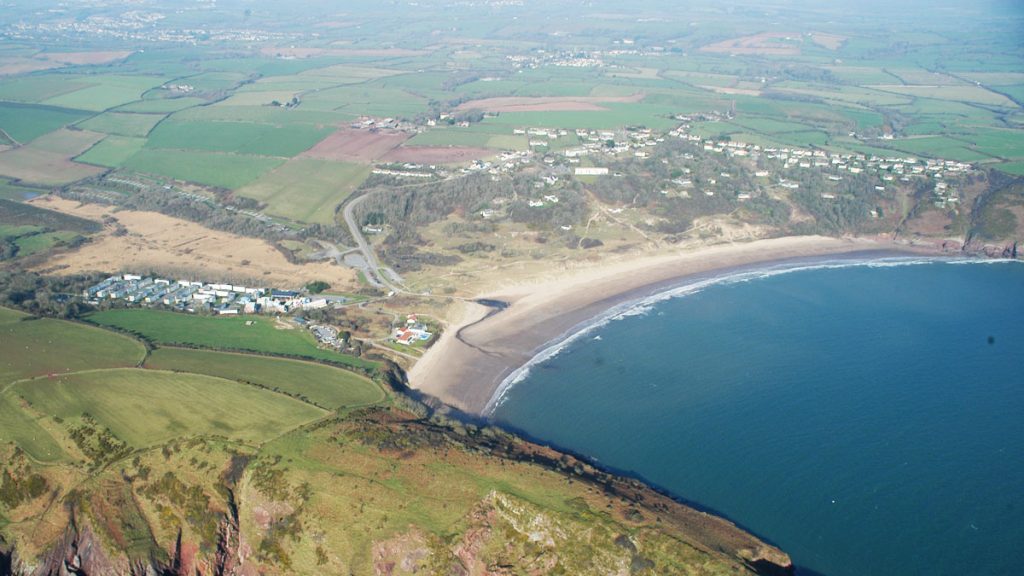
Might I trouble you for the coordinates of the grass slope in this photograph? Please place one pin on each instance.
(39, 347)
(324, 386)
(144, 407)
(224, 333)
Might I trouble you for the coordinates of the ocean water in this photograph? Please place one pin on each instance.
(867, 419)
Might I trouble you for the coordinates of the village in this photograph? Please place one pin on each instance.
(189, 296)
(194, 296)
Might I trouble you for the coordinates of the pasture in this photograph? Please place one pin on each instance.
(237, 137)
(40, 87)
(306, 189)
(40, 347)
(263, 335)
(112, 151)
(104, 92)
(42, 167)
(148, 407)
(33, 348)
(122, 123)
(213, 169)
(34, 243)
(324, 386)
(160, 105)
(25, 123)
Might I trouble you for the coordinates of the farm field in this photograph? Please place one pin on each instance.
(160, 105)
(263, 334)
(35, 243)
(213, 169)
(147, 407)
(237, 137)
(349, 145)
(306, 189)
(34, 348)
(47, 160)
(104, 92)
(25, 122)
(324, 386)
(122, 123)
(112, 151)
(40, 347)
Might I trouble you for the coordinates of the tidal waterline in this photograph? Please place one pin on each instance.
(867, 418)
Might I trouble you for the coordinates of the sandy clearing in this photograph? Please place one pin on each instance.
(178, 247)
(352, 145)
(437, 154)
(477, 352)
(545, 103)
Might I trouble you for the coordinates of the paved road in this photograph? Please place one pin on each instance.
(373, 268)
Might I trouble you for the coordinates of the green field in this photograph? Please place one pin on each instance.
(104, 92)
(327, 387)
(160, 105)
(40, 347)
(306, 190)
(35, 243)
(224, 170)
(112, 151)
(33, 348)
(147, 407)
(25, 123)
(38, 88)
(237, 137)
(225, 333)
(262, 115)
(17, 213)
(122, 123)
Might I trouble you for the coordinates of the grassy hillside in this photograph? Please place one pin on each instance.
(324, 386)
(249, 333)
(197, 450)
(146, 407)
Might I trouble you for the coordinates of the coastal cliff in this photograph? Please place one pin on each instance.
(381, 491)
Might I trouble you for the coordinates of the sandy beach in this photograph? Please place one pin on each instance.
(481, 346)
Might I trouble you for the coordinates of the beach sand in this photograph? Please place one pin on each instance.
(481, 346)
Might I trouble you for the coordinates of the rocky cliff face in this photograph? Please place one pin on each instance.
(382, 492)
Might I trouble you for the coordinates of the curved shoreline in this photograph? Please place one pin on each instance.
(487, 348)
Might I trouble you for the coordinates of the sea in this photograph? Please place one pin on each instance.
(866, 416)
